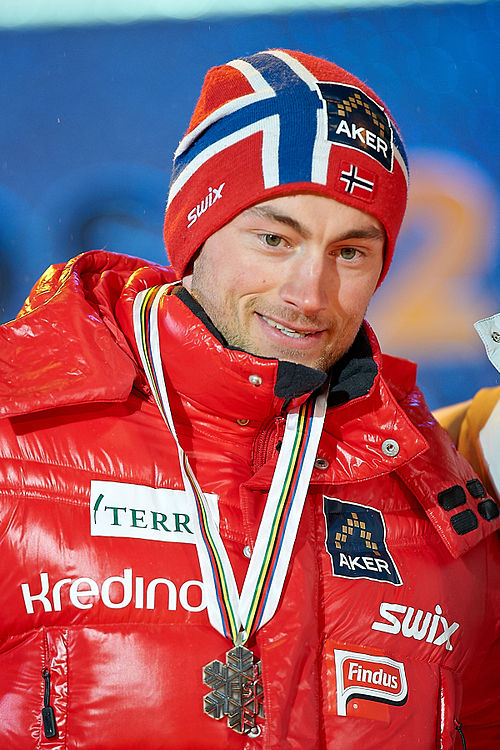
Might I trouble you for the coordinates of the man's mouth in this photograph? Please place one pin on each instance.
(287, 331)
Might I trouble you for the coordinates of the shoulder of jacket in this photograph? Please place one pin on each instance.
(457, 501)
(66, 347)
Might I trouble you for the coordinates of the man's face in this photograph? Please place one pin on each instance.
(290, 278)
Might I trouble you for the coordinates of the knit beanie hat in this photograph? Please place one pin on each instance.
(281, 122)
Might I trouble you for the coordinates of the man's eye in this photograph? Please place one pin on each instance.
(273, 240)
(348, 253)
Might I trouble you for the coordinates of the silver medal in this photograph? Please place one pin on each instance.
(236, 690)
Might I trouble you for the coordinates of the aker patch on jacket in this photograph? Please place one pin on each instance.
(355, 541)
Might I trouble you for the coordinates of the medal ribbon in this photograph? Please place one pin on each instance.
(234, 616)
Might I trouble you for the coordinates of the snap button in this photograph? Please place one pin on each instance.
(496, 337)
(321, 464)
(255, 731)
(255, 380)
(390, 448)
(242, 422)
(247, 551)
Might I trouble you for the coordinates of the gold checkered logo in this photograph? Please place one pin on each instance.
(353, 103)
(356, 542)
(356, 121)
(354, 526)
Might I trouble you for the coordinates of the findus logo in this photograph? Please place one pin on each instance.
(208, 201)
(355, 540)
(367, 678)
(115, 592)
(432, 626)
(137, 512)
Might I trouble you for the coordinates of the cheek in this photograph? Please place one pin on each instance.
(249, 282)
(354, 295)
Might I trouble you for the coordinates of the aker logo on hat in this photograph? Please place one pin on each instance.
(356, 121)
(355, 541)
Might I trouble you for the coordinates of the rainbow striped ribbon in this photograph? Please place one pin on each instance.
(234, 616)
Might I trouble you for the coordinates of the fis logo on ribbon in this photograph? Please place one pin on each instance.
(356, 121)
(364, 681)
(355, 541)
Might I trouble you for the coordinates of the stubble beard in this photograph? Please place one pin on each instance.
(201, 285)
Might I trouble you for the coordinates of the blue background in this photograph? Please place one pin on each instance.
(91, 117)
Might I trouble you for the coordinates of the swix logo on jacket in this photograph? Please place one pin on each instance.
(432, 626)
(361, 678)
(138, 512)
(115, 592)
(355, 540)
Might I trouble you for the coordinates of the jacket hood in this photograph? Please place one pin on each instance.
(72, 303)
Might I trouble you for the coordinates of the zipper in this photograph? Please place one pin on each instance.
(267, 441)
(458, 727)
(48, 717)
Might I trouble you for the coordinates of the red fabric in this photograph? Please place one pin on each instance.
(130, 675)
(221, 84)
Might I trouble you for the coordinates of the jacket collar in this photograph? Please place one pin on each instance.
(366, 432)
(292, 380)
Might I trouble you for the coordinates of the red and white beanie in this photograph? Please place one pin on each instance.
(281, 122)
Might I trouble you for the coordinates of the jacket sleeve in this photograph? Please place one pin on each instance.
(451, 418)
(464, 423)
(480, 714)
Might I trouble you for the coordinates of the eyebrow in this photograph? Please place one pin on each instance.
(370, 233)
(269, 213)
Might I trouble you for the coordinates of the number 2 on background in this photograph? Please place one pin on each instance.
(439, 285)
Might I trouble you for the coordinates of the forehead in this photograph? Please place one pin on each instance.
(312, 211)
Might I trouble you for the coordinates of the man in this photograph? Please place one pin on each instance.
(227, 520)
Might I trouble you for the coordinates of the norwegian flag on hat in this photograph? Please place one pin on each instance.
(275, 123)
(357, 181)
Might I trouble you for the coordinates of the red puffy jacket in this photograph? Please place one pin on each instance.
(384, 636)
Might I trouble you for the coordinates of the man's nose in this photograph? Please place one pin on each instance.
(305, 285)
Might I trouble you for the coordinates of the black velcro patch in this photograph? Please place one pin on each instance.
(475, 488)
(452, 497)
(464, 522)
(488, 509)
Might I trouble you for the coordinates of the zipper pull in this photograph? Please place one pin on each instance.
(48, 717)
(458, 727)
